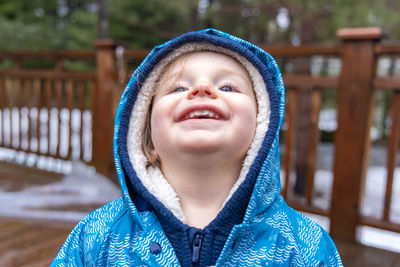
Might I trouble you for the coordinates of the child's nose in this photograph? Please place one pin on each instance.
(202, 89)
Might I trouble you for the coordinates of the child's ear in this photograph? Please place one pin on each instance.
(153, 157)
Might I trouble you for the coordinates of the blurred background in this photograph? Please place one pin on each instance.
(76, 24)
(64, 64)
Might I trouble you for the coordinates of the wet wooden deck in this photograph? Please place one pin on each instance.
(35, 243)
(30, 243)
(363, 256)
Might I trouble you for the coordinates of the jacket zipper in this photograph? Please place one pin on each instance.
(196, 249)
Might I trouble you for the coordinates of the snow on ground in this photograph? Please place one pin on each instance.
(374, 191)
(82, 186)
(371, 206)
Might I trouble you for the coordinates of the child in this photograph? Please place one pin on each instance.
(196, 151)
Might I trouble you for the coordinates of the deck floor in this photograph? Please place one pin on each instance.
(28, 242)
(363, 256)
(36, 243)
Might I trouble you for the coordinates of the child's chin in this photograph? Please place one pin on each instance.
(201, 145)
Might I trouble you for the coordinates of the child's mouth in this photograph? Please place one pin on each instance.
(202, 114)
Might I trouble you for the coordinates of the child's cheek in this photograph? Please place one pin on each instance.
(162, 113)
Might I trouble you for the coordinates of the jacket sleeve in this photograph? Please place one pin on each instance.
(84, 243)
(72, 252)
(327, 251)
(314, 242)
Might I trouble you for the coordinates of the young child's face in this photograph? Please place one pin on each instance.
(204, 103)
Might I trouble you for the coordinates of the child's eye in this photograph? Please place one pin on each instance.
(179, 89)
(226, 88)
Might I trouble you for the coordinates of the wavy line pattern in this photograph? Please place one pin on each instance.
(271, 234)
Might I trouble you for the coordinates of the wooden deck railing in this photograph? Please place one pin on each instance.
(357, 84)
(391, 83)
(43, 109)
(98, 91)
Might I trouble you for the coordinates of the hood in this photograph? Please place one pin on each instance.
(261, 167)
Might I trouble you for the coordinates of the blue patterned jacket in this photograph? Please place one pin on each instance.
(255, 227)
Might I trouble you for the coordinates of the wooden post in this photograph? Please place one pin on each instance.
(352, 139)
(316, 102)
(392, 148)
(103, 106)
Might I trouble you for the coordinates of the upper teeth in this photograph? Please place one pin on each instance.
(207, 113)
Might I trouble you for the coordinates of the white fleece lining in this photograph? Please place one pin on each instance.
(152, 177)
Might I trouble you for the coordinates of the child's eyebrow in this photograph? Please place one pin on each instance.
(244, 75)
(176, 73)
